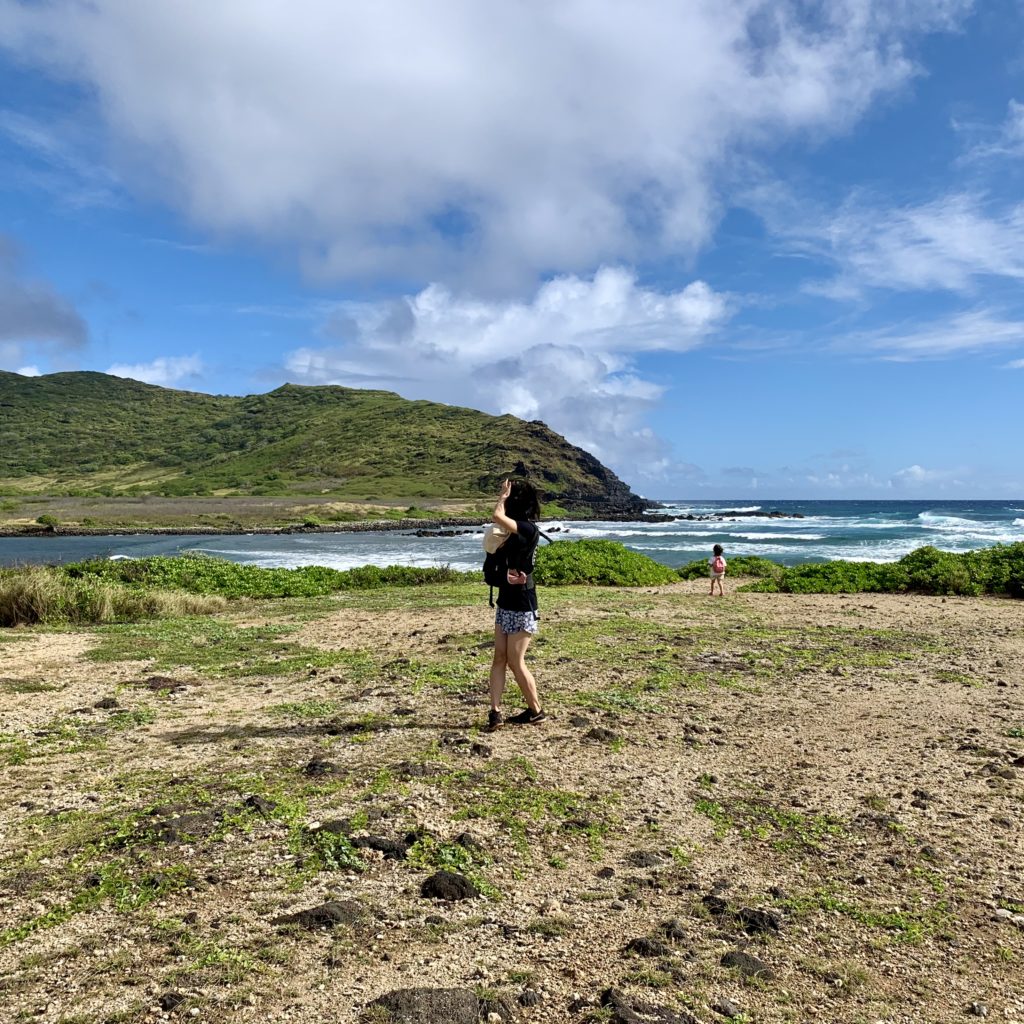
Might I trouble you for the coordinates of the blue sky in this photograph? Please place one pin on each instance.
(736, 249)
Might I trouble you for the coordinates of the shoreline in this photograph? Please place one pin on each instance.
(36, 532)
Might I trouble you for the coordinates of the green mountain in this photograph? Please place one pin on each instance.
(89, 433)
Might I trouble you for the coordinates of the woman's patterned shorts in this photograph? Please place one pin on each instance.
(515, 622)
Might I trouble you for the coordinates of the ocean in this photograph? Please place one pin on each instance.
(876, 531)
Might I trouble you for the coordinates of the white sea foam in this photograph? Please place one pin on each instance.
(776, 536)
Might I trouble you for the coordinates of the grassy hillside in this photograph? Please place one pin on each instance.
(92, 434)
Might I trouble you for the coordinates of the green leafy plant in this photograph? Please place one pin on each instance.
(598, 563)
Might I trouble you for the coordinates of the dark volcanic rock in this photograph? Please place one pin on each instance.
(749, 966)
(439, 1006)
(170, 1001)
(260, 805)
(417, 769)
(623, 1010)
(755, 921)
(159, 683)
(644, 859)
(602, 735)
(317, 768)
(648, 947)
(715, 904)
(393, 849)
(447, 885)
(327, 915)
(726, 1007)
(107, 704)
(673, 930)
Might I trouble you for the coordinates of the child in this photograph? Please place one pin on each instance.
(716, 563)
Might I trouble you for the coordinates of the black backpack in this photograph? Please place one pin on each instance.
(513, 554)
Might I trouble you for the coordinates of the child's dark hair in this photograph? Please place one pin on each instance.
(717, 549)
(523, 502)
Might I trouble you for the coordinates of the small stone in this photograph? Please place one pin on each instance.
(749, 966)
(726, 1007)
(977, 1010)
(529, 997)
(170, 1001)
(644, 859)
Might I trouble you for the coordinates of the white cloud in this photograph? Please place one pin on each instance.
(950, 243)
(565, 356)
(29, 371)
(1016, 364)
(164, 370)
(34, 317)
(1009, 137)
(918, 476)
(474, 143)
(971, 331)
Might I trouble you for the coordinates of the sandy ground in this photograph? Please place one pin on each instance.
(831, 784)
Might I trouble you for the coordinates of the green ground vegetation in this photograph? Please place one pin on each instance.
(994, 570)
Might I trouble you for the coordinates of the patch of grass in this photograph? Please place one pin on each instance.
(28, 686)
(124, 888)
(433, 854)
(216, 962)
(912, 925)
(845, 978)
(758, 820)
(554, 926)
(218, 648)
(649, 978)
(312, 708)
(948, 676)
(511, 795)
(321, 850)
(1017, 732)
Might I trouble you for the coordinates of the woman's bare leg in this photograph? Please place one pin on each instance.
(498, 664)
(516, 658)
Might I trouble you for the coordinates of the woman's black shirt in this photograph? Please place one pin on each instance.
(516, 597)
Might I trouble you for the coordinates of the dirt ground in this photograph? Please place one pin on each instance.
(822, 791)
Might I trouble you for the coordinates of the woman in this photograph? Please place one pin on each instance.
(515, 620)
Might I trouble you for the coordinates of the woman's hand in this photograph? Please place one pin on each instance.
(516, 578)
(506, 490)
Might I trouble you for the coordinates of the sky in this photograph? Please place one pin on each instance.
(735, 248)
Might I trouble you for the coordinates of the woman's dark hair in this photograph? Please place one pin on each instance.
(717, 549)
(523, 502)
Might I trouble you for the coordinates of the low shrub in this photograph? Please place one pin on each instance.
(739, 565)
(602, 563)
(995, 570)
(201, 574)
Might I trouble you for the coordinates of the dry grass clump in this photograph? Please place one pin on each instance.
(44, 596)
